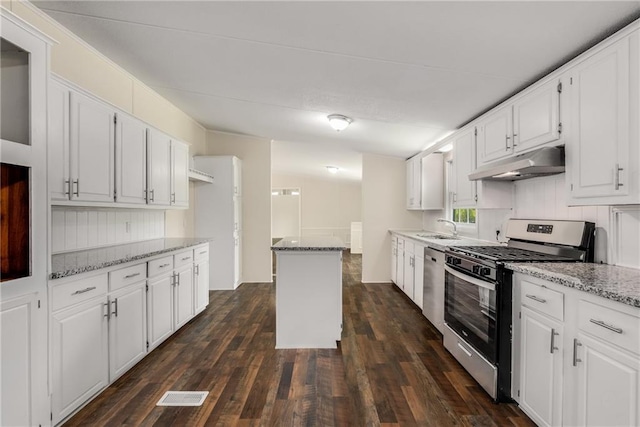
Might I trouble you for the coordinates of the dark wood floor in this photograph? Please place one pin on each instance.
(391, 369)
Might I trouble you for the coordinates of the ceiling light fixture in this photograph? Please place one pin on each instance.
(332, 169)
(339, 122)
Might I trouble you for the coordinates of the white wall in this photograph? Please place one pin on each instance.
(383, 208)
(255, 154)
(328, 205)
(285, 215)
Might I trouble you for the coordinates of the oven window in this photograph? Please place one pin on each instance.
(471, 311)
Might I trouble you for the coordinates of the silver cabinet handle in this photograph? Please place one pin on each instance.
(82, 291)
(173, 197)
(186, 258)
(129, 276)
(76, 182)
(618, 184)
(67, 184)
(203, 252)
(535, 298)
(108, 313)
(576, 344)
(164, 265)
(115, 303)
(197, 269)
(514, 139)
(606, 326)
(553, 336)
(467, 352)
(152, 195)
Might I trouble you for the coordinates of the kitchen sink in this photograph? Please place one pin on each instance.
(438, 236)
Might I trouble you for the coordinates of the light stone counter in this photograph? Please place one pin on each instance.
(309, 243)
(441, 244)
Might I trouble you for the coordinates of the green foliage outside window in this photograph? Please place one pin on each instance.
(464, 216)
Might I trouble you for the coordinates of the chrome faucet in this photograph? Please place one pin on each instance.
(455, 227)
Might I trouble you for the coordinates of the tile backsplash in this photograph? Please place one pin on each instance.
(80, 228)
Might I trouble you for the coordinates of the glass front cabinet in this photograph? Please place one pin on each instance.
(24, 68)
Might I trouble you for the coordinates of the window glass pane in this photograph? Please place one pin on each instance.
(456, 215)
(14, 91)
(463, 215)
(472, 216)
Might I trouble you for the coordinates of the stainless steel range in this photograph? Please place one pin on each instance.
(478, 293)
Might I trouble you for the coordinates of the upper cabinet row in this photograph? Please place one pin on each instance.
(591, 106)
(100, 155)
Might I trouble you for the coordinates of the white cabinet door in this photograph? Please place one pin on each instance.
(432, 184)
(158, 168)
(180, 174)
(394, 259)
(183, 296)
(608, 384)
(58, 141)
(159, 310)
(127, 328)
(414, 181)
(92, 150)
(131, 160)
(408, 277)
(400, 264)
(464, 191)
(80, 355)
(541, 368)
(495, 136)
(598, 157)
(536, 117)
(418, 274)
(237, 259)
(202, 286)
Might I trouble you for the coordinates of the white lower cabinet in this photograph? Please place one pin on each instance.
(394, 259)
(79, 355)
(127, 328)
(541, 375)
(160, 309)
(408, 266)
(183, 295)
(579, 356)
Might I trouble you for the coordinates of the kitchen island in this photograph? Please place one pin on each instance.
(308, 292)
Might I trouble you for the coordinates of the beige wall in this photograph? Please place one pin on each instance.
(255, 154)
(327, 206)
(383, 208)
(76, 61)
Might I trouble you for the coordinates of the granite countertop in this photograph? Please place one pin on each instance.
(70, 263)
(309, 243)
(441, 244)
(608, 281)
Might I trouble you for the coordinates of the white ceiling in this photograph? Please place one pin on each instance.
(407, 72)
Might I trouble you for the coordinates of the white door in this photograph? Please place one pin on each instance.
(598, 156)
(536, 117)
(92, 149)
(202, 286)
(58, 141)
(608, 385)
(180, 174)
(158, 168)
(184, 296)
(463, 164)
(418, 275)
(159, 310)
(237, 259)
(394, 259)
(541, 368)
(127, 328)
(408, 277)
(131, 160)
(494, 136)
(80, 355)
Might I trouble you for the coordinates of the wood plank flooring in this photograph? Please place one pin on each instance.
(390, 370)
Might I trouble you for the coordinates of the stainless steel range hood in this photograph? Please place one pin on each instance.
(544, 161)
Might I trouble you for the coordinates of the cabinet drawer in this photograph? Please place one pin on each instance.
(160, 266)
(183, 258)
(201, 253)
(542, 299)
(127, 276)
(71, 293)
(616, 327)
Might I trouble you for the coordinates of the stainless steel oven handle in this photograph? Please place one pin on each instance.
(472, 280)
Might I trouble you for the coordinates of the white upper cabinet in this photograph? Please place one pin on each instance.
(495, 136)
(158, 168)
(92, 149)
(602, 157)
(536, 117)
(464, 154)
(180, 174)
(414, 182)
(58, 141)
(432, 185)
(131, 165)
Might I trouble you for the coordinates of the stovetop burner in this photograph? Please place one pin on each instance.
(507, 254)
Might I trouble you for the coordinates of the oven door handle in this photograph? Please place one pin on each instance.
(472, 280)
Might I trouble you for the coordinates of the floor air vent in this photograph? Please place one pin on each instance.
(183, 398)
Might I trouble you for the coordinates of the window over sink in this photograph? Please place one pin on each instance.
(464, 215)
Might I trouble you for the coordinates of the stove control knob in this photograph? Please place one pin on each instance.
(456, 261)
(476, 269)
(485, 271)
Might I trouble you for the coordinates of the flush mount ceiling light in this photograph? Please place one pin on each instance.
(339, 122)
(332, 169)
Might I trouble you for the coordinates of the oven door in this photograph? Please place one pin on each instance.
(470, 310)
